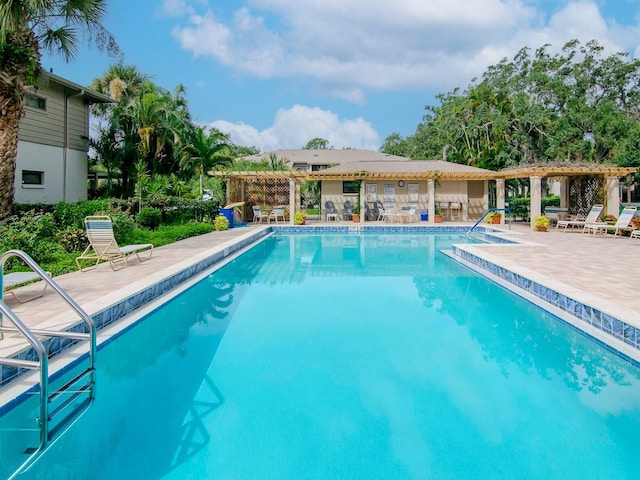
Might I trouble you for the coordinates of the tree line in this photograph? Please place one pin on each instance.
(576, 106)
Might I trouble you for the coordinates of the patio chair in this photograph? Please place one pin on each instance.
(635, 234)
(623, 223)
(387, 213)
(14, 279)
(408, 214)
(277, 213)
(592, 217)
(104, 248)
(347, 212)
(259, 215)
(330, 211)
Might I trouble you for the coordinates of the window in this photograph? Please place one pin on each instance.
(350, 187)
(35, 101)
(31, 177)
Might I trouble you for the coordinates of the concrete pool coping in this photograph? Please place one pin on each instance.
(555, 259)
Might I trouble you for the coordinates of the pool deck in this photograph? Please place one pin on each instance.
(600, 268)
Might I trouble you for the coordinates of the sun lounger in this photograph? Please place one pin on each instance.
(592, 217)
(103, 246)
(11, 280)
(622, 224)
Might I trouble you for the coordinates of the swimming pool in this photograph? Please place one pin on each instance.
(348, 356)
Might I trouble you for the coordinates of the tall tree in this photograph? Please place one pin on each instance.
(27, 27)
(317, 144)
(202, 151)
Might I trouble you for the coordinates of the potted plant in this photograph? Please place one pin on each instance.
(541, 223)
(355, 214)
(221, 223)
(300, 218)
(437, 217)
(494, 217)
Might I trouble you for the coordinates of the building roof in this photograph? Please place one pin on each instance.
(405, 168)
(92, 95)
(324, 157)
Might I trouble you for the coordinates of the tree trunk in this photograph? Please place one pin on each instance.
(10, 114)
(15, 72)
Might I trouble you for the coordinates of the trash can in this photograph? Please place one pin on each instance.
(424, 215)
(228, 213)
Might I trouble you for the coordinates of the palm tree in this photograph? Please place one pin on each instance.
(27, 27)
(203, 150)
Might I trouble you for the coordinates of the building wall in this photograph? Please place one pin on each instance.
(54, 141)
(50, 162)
(389, 192)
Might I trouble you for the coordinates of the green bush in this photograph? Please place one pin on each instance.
(72, 239)
(32, 233)
(221, 223)
(149, 217)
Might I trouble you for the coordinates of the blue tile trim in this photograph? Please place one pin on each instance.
(583, 312)
(128, 305)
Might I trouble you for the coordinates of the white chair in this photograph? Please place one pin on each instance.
(444, 210)
(622, 223)
(408, 214)
(259, 215)
(455, 210)
(276, 214)
(386, 213)
(591, 218)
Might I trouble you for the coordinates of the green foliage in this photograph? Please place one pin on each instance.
(317, 144)
(149, 217)
(73, 214)
(72, 239)
(577, 105)
(32, 233)
(541, 221)
(221, 223)
(299, 218)
(166, 234)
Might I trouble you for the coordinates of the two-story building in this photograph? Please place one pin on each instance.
(53, 142)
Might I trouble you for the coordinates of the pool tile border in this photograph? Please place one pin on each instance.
(585, 313)
(127, 305)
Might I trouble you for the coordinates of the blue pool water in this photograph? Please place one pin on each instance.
(351, 357)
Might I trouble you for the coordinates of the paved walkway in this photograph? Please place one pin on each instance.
(602, 268)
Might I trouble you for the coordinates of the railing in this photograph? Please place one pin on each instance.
(506, 210)
(70, 388)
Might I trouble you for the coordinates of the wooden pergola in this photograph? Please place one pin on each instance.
(534, 173)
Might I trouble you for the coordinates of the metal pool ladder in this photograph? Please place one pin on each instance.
(60, 409)
(487, 213)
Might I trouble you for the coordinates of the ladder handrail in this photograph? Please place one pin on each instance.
(38, 346)
(487, 213)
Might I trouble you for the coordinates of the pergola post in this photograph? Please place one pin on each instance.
(613, 195)
(431, 200)
(500, 196)
(535, 205)
(564, 192)
(293, 199)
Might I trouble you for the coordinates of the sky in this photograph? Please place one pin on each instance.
(274, 74)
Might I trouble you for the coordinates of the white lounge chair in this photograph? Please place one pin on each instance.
(11, 280)
(635, 234)
(622, 223)
(591, 218)
(103, 246)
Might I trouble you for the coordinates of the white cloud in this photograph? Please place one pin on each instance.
(353, 47)
(294, 127)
